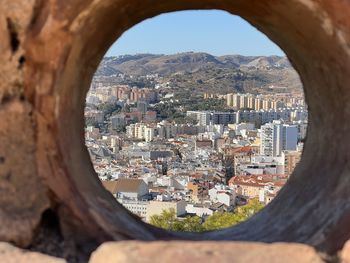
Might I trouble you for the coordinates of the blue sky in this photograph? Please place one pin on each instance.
(215, 32)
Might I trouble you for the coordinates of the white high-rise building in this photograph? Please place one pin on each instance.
(229, 99)
(212, 117)
(140, 131)
(277, 137)
(203, 117)
(149, 134)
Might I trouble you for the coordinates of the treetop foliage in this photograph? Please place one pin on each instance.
(218, 220)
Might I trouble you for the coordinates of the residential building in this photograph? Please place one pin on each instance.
(291, 159)
(137, 207)
(157, 207)
(251, 186)
(205, 118)
(132, 189)
(199, 210)
(142, 106)
(277, 137)
(149, 133)
(118, 121)
(262, 116)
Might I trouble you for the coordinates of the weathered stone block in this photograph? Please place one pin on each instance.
(199, 252)
(11, 254)
(49, 51)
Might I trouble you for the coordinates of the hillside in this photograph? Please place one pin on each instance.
(204, 71)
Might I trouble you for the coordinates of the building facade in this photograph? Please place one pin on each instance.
(277, 137)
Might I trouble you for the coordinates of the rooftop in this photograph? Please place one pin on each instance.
(123, 185)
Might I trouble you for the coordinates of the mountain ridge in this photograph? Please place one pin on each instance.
(200, 71)
(143, 64)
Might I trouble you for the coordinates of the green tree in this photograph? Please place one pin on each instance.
(226, 219)
(191, 120)
(126, 108)
(167, 220)
(109, 108)
(220, 221)
(192, 224)
(248, 210)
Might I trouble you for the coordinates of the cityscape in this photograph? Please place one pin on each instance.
(174, 131)
(160, 150)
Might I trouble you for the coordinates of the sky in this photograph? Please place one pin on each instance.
(213, 31)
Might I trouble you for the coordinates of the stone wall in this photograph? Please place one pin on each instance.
(51, 199)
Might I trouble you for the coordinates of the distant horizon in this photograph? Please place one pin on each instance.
(184, 52)
(209, 31)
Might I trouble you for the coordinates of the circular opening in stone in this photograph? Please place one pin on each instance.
(203, 136)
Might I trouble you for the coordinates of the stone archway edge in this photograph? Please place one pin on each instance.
(49, 51)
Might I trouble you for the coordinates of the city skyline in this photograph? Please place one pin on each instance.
(214, 32)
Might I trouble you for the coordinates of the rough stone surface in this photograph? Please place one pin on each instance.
(345, 253)
(23, 197)
(11, 254)
(198, 252)
(21, 209)
(49, 51)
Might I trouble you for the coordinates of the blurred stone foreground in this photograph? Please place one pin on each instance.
(194, 252)
(50, 197)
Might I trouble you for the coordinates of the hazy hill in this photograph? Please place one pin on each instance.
(143, 64)
(204, 71)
